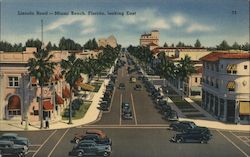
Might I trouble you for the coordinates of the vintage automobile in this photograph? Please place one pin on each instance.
(193, 135)
(95, 135)
(90, 148)
(8, 148)
(23, 141)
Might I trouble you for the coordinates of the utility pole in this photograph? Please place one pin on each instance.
(42, 33)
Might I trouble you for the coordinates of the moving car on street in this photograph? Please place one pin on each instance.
(194, 135)
(138, 87)
(90, 148)
(96, 135)
(122, 86)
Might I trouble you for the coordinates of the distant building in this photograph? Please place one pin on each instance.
(111, 41)
(150, 38)
(225, 87)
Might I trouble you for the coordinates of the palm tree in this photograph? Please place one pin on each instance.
(71, 69)
(41, 68)
(185, 68)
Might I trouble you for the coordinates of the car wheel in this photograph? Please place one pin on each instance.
(77, 140)
(105, 154)
(203, 141)
(179, 140)
(80, 153)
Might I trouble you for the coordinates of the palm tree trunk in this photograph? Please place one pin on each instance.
(70, 107)
(41, 108)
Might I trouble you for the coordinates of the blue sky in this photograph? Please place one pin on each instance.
(177, 20)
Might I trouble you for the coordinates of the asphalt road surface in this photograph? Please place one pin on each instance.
(144, 136)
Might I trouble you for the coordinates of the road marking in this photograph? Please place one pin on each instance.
(127, 127)
(44, 143)
(240, 138)
(133, 108)
(120, 123)
(233, 143)
(58, 142)
(35, 145)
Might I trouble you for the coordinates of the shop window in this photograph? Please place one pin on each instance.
(13, 81)
(231, 86)
(245, 67)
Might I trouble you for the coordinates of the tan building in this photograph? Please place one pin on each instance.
(225, 87)
(111, 41)
(20, 93)
(148, 38)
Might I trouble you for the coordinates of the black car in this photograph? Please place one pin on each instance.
(127, 115)
(138, 87)
(194, 135)
(182, 126)
(171, 116)
(126, 107)
(121, 86)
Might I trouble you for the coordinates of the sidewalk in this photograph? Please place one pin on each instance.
(91, 116)
(208, 121)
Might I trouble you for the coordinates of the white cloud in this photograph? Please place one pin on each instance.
(178, 20)
(160, 24)
(196, 27)
(88, 30)
(145, 20)
(58, 24)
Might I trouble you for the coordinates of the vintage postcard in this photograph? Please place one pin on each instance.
(124, 78)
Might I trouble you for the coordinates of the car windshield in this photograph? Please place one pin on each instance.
(193, 125)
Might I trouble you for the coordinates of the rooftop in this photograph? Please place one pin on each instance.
(215, 56)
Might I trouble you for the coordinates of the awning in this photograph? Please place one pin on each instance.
(86, 86)
(195, 89)
(231, 85)
(59, 99)
(47, 105)
(65, 92)
(244, 108)
(14, 103)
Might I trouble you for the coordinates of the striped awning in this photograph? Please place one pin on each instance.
(231, 85)
(65, 92)
(86, 86)
(244, 108)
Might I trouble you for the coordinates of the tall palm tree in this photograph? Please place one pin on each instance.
(41, 68)
(71, 70)
(185, 68)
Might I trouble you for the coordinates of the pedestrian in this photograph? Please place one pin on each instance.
(47, 122)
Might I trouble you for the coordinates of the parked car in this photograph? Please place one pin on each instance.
(16, 139)
(10, 149)
(193, 135)
(122, 86)
(182, 126)
(171, 116)
(104, 106)
(138, 87)
(90, 148)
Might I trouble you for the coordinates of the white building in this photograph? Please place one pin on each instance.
(225, 87)
(111, 41)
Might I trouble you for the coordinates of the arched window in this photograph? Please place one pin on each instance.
(14, 105)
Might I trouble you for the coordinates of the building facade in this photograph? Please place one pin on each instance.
(148, 38)
(225, 87)
(20, 93)
(111, 41)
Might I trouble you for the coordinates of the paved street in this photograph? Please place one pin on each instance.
(144, 136)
